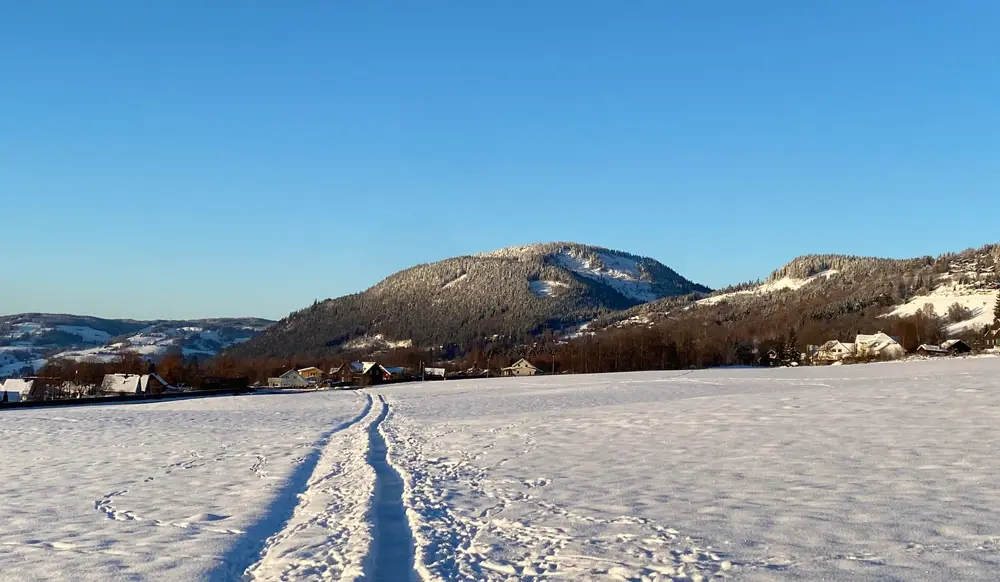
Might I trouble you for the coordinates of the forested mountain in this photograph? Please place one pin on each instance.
(836, 296)
(510, 293)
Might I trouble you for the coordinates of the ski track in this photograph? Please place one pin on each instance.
(391, 555)
(878, 473)
(327, 535)
(863, 472)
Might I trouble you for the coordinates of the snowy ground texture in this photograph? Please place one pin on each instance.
(876, 472)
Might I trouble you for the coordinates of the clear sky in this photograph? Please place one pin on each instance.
(184, 158)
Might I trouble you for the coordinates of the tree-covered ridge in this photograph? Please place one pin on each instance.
(507, 293)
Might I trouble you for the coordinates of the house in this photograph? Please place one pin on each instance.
(311, 374)
(434, 373)
(344, 373)
(391, 374)
(931, 350)
(832, 351)
(371, 373)
(134, 384)
(16, 390)
(520, 368)
(956, 347)
(991, 340)
(878, 345)
(290, 379)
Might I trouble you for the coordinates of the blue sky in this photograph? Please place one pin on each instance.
(184, 158)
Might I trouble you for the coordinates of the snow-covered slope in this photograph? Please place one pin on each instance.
(975, 290)
(781, 284)
(27, 341)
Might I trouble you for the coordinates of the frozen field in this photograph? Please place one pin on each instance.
(185, 490)
(877, 472)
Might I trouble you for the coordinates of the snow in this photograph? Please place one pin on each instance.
(187, 490)
(785, 283)
(620, 273)
(376, 341)
(546, 288)
(455, 281)
(86, 334)
(879, 471)
(980, 302)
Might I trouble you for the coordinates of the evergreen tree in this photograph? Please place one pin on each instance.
(792, 347)
(996, 313)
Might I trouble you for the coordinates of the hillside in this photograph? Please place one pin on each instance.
(510, 292)
(821, 290)
(28, 340)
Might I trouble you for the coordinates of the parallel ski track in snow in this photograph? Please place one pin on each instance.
(259, 553)
(391, 557)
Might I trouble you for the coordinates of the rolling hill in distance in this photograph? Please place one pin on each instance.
(511, 294)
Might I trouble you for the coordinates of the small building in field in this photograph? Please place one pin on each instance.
(371, 373)
(878, 345)
(393, 373)
(16, 390)
(991, 340)
(344, 373)
(832, 351)
(931, 350)
(956, 347)
(520, 368)
(311, 374)
(434, 373)
(134, 384)
(290, 379)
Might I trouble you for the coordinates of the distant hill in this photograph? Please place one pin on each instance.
(28, 340)
(823, 289)
(509, 292)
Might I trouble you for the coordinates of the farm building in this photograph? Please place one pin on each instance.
(520, 368)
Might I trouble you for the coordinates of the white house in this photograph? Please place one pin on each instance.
(290, 379)
(833, 351)
(134, 384)
(520, 368)
(878, 345)
(16, 390)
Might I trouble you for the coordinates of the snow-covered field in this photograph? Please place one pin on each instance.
(877, 472)
(186, 490)
(884, 472)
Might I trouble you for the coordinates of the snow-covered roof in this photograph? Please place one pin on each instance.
(932, 348)
(366, 366)
(130, 383)
(17, 385)
(309, 369)
(950, 343)
(394, 370)
(522, 363)
(291, 374)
